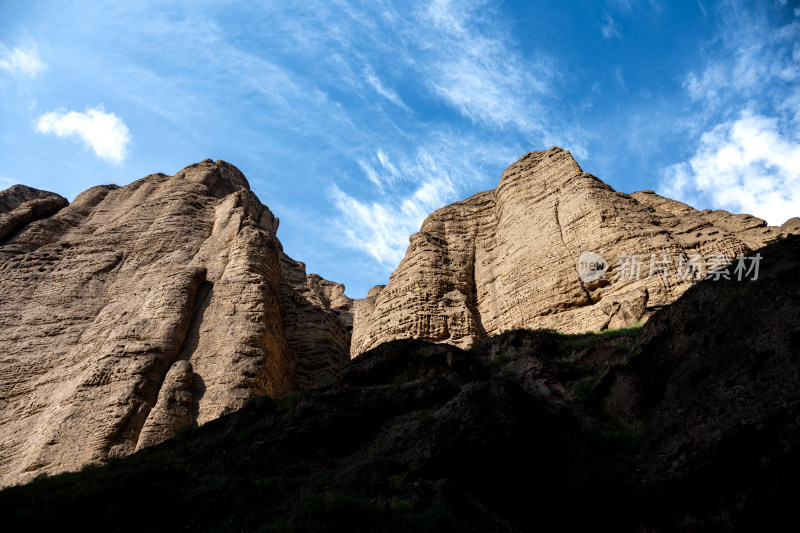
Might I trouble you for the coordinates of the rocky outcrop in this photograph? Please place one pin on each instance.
(791, 226)
(16, 195)
(625, 308)
(20, 204)
(321, 322)
(137, 310)
(507, 258)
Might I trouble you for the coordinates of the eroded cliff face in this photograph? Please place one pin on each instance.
(507, 258)
(321, 321)
(137, 310)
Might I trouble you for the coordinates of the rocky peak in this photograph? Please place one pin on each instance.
(20, 204)
(546, 170)
(17, 195)
(220, 177)
(507, 258)
(137, 310)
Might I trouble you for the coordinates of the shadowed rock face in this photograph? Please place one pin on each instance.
(506, 258)
(136, 310)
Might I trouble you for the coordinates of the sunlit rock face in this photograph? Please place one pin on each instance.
(137, 310)
(509, 258)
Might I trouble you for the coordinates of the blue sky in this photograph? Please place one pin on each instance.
(354, 120)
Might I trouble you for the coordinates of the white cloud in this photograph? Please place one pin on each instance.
(757, 61)
(609, 27)
(105, 133)
(20, 61)
(747, 165)
(388, 93)
(744, 161)
(416, 186)
(469, 63)
(382, 228)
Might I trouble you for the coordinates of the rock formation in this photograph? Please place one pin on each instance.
(507, 258)
(137, 310)
(20, 204)
(689, 423)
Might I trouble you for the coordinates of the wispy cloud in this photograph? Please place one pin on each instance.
(380, 170)
(609, 27)
(707, 84)
(371, 173)
(628, 5)
(620, 79)
(621, 4)
(424, 181)
(388, 93)
(387, 164)
(747, 165)
(756, 61)
(24, 61)
(382, 228)
(105, 133)
(473, 67)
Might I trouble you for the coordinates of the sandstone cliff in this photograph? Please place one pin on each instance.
(507, 258)
(137, 310)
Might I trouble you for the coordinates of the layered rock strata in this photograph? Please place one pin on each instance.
(137, 310)
(508, 258)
